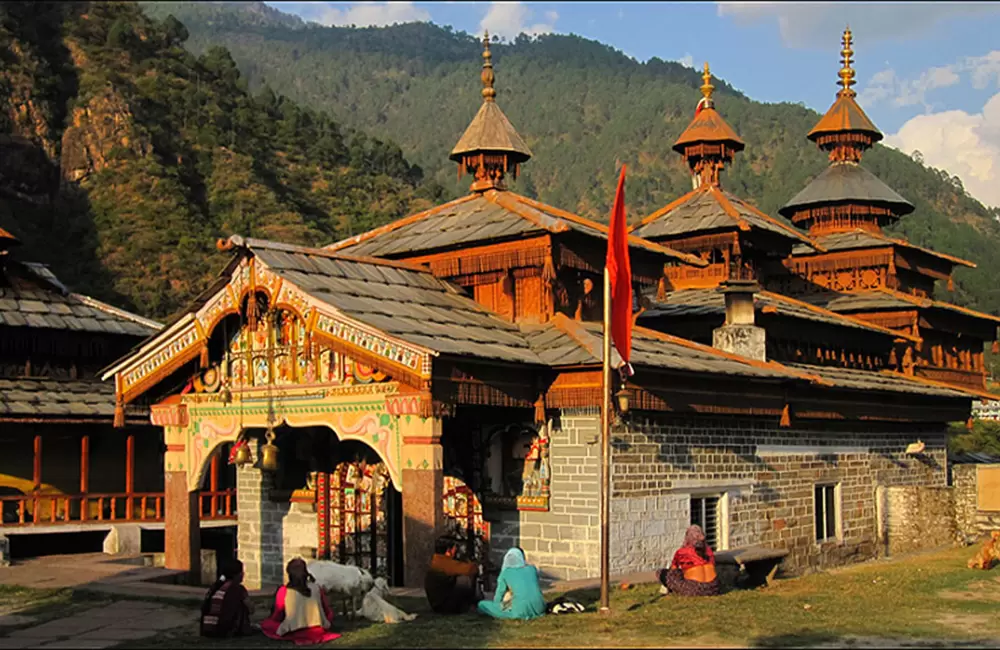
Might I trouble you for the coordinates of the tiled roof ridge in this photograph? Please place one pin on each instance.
(826, 312)
(941, 384)
(930, 302)
(116, 311)
(684, 198)
(580, 335)
(251, 243)
(399, 223)
(903, 242)
(633, 239)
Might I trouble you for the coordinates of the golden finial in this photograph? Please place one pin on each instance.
(488, 92)
(846, 71)
(707, 88)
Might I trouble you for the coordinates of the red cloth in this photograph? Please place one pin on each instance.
(305, 636)
(686, 558)
(702, 103)
(620, 277)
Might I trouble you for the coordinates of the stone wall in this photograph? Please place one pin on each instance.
(564, 542)
(270, 533)
(766, 476)
(919, 517)
(969, 519)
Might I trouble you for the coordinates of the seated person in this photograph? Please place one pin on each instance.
(692, 573)
(226, 610)
(450, 584)
(301, 612)
(520, 580)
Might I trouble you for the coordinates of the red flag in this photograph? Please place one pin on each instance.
(620, 277)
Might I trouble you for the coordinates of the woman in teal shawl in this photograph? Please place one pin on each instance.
(522, 580)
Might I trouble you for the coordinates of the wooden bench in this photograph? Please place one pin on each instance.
(748, 567)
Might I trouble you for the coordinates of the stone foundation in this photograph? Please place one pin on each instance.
(970, 521)
(919, 517)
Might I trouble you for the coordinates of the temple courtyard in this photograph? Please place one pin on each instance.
(925, 600)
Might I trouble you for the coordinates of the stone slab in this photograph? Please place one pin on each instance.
(94, 644)
(8, 643)
(115, 633)
(13, 620)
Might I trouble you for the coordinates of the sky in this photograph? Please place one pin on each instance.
(928, 73)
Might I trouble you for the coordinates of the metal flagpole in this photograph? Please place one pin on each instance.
(606, 445)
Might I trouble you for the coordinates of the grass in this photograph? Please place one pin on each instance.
(931, 598)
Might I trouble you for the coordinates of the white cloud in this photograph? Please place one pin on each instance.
(886, 86)
(814, 24)
(687, 60)
(370, 14)
(508, 19)
(967, 146)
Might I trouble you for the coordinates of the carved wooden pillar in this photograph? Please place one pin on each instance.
(182, 526)
(423, 489)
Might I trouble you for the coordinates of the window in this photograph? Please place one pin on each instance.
(705, 513)
(826, 511)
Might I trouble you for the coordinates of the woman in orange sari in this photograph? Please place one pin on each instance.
(692, 572)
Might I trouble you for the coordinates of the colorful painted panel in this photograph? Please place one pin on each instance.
(463, 513)
(354, 518)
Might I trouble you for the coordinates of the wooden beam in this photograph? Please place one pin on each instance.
(129, 473)
(84, 475)
(37, 475)
(213, 482)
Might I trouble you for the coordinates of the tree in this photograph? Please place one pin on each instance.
(174, 31)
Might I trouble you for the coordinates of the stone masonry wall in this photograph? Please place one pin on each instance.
(270, 533)
(919, 517)
(766, 476)
(564, 542)
(970, 520)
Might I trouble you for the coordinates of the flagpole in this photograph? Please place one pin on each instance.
(605, 607)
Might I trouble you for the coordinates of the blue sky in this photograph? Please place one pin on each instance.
(928, 73)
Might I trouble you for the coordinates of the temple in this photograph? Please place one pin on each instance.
(65, 468)
(443, 374)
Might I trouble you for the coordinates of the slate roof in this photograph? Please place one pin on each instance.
(479, 218)
(844, 182)
(860, 238)
(709, 208)
(404, 301)
(76, 398)
(566, 342)
(868, 380)
(36, 298)
(703, 302)
(708, 126)
(885, 298)
(844, 115)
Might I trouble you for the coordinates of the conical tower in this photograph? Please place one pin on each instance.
(845, 197)
(490, 148)
(708, 143)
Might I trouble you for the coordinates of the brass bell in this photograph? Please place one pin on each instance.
(243, 456)
(269, 457)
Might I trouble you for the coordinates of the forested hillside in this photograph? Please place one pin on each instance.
(580, 106)
(125, 156)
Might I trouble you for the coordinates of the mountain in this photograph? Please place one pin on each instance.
(125, 155)
(580, 106)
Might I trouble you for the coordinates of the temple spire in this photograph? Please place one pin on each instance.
(846, 71)
(490, 146)
(708, 143)
(489, 93)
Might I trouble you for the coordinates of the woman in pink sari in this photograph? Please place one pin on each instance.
(301, 612)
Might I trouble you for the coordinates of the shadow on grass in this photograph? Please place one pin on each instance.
(794, 640)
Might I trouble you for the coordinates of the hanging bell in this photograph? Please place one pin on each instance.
(242, 454)
(226, 395)
(269, 457)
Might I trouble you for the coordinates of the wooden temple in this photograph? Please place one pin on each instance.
(443, 374)
(65, 468)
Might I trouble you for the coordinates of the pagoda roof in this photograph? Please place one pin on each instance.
(861, 238)
(491, 131)
(35, 298)
(8, 240)
(710, 302)
(847, 182)
(62, 399)
(884, 298)
(845, 116)
(708, 126)
(710, 208)
(479, 218)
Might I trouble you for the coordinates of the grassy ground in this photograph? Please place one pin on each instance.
(930, 600)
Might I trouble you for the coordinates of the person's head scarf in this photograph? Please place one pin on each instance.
(694, 536)
(514, 559)
(299, 576)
